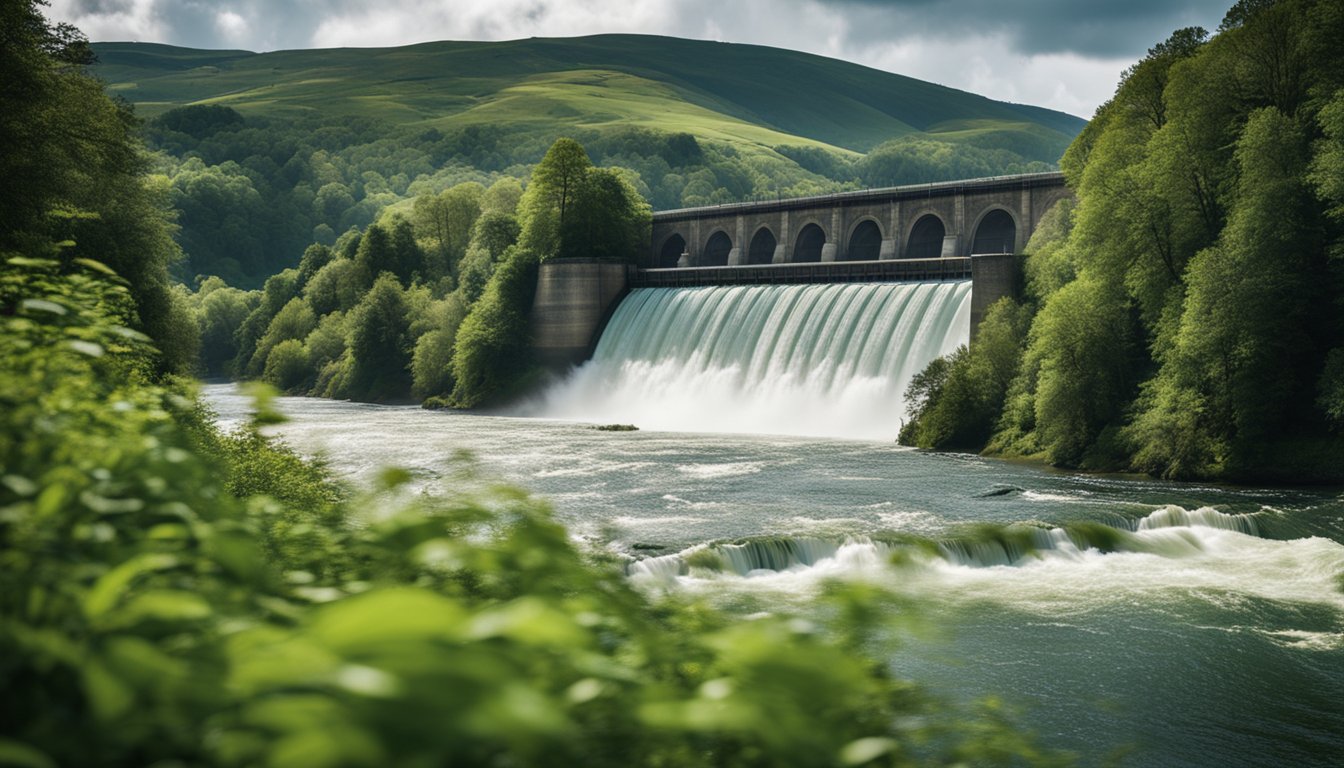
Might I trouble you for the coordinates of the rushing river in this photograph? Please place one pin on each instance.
(1210, 634)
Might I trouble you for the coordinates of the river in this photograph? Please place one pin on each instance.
(1211, 634)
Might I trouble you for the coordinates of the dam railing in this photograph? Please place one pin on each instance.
(894, 270)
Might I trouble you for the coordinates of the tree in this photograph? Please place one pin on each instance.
(545, 205)
(445, 221)
(492, 358)
(380, 347)
(73, 170)
(608, 219)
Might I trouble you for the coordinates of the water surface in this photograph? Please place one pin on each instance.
(1214, 638)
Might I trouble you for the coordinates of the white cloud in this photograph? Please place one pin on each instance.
(232, 27)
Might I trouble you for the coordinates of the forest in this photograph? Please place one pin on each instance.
(1185, 317)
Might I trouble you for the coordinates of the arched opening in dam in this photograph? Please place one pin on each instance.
(673, 248)
(926, 238)
(716, 250)
(996, 233)
(829, 360)
(762, 250)
(807, 248)
(865, 244)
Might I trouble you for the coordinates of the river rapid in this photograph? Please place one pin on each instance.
(1208, 630)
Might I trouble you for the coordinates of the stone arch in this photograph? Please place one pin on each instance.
(995, 232)
(717, 248)
(925, 240)
(865, 241)
(762, 248)
(670, 254)
(807, 248)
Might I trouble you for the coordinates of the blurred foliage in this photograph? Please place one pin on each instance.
(178, 595)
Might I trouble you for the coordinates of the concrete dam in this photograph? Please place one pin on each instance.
(821, 339)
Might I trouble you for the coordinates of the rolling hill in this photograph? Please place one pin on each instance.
(740, 94)
(268, 152)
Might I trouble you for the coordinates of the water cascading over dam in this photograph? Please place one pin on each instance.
(828, 360)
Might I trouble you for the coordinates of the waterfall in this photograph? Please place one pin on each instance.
(821, 360)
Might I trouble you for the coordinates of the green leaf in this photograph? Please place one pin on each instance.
(107, 591)
(20, 485)
(168, 606)
(16, 754)
(109, 696)
(97, 266)
(85, 347)
(42, 305)
(866, 750)
(372, 620)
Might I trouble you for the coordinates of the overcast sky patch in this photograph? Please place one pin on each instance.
(1062, 54)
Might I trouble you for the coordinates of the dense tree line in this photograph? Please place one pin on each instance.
(433, 305)
(254, 191)
(1187, 315)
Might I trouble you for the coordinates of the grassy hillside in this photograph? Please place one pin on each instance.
(741, 94)
(267, 153)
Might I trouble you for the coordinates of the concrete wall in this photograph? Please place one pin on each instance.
(573, 301)
(992, 278)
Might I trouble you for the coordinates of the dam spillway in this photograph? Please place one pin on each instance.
(829, 360)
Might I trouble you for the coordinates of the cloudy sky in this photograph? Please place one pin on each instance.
(1063, 54)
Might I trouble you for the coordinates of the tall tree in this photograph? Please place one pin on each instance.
(72, 170)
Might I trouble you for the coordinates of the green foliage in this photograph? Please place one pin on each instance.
(73, 173)
(492, 358)
(280, 160)
(573, 210)
(444, 221)
(219, 311)
(391, 248)
(954, 402)
(337, 286)
(200, 120)
(380, 347)
(293, 322)
(288, 367)
(1190, 301)
(911, 160)
(178, 595)
(1244, 349)
(436, 333)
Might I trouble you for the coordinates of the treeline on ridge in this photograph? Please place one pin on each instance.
(254, 192)
(1186, 317)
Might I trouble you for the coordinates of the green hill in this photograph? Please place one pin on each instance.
(741, 94)
(268, 152)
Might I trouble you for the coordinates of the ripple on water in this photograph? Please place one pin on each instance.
(716, 471)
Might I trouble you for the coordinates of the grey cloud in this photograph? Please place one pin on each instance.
(1104, 29)
(102, 6)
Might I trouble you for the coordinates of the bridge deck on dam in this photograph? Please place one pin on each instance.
(951, 219)
(905, 270)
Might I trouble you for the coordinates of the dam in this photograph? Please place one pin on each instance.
(972, 230)
(820, 339)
